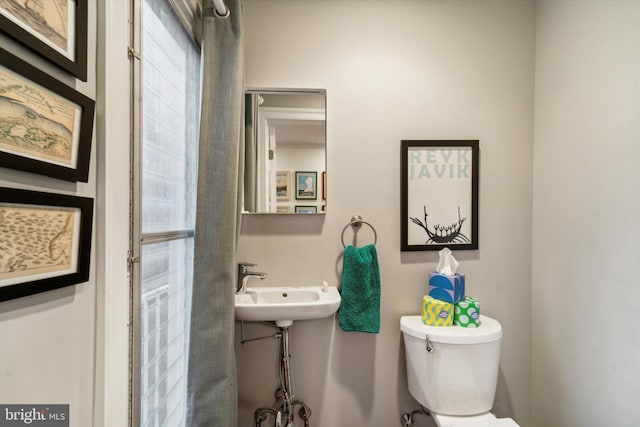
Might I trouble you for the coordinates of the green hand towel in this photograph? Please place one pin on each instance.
(360, 306)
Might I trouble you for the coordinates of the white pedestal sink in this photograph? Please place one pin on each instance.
(284, 304)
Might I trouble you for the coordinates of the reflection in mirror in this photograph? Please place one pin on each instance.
(285, 151)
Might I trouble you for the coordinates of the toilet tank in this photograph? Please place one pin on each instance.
(459, 376)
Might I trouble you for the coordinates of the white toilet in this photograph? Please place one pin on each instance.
(453, 371)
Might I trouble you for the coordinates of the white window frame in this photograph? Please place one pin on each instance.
(113, 311)
(187, 11)
(118, 123)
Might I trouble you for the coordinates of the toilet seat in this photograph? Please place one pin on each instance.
(483, 420)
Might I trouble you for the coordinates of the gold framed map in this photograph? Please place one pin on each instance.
(46, 127)
(45, 241)
(56, 29)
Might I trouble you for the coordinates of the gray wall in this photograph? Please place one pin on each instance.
(586, 201)
(48, 340)
(406, 70)
(430, 69)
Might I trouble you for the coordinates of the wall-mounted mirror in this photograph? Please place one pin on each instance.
(285, 151)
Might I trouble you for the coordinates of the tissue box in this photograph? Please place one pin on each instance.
(436, 312)
(467, 313)
(446, 288)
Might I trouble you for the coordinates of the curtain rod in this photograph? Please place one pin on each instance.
(220, 8)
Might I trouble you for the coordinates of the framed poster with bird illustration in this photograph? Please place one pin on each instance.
(439, 200)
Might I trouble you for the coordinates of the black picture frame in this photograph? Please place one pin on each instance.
(17, 209)
(438, 178)
(81, 133)
(34, 40)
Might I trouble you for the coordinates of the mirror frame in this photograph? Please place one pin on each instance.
(278, 114)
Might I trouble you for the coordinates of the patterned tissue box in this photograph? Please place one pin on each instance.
(467, 313)
(446, 288)
(436, 312)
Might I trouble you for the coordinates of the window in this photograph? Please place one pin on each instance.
(166, 192)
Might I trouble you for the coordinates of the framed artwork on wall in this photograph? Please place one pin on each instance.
(439, 194)
(306, 185)
(306, 209)
(324, 186)
(55, 29)
(283, 185)
(46, 127)
(45, 240)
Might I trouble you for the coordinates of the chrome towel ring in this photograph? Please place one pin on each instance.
(356, 222)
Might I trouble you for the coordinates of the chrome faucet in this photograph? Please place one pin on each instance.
(244, 275)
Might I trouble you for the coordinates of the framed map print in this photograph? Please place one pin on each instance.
(55, 29)
(46, 127)
(45, 241)
(439, 195)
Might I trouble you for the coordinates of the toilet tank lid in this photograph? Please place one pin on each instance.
(488, 331)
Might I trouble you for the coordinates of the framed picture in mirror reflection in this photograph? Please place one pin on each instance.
(306, 209)
(283, 185)
(284, 209)
(306, 185)
(324, 186)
